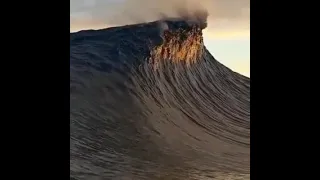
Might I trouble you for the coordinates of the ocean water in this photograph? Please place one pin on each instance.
(130, 120)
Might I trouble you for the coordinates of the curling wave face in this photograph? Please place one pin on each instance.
(149, 102)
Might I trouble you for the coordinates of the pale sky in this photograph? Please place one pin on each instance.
(227, 36)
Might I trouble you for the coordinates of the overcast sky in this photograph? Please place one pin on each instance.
(227, 36)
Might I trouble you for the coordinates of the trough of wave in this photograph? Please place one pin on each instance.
(148, 101)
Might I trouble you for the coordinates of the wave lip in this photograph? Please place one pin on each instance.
(179, 45)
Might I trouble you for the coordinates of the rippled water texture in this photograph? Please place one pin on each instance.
(130, 120)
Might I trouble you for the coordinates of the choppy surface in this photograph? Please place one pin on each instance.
(130, 120)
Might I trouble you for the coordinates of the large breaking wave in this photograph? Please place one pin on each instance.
(148, 101)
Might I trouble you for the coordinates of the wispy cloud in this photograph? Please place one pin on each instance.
(134, 11)
(227, 18)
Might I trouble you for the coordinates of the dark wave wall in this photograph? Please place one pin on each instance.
(148, 101)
